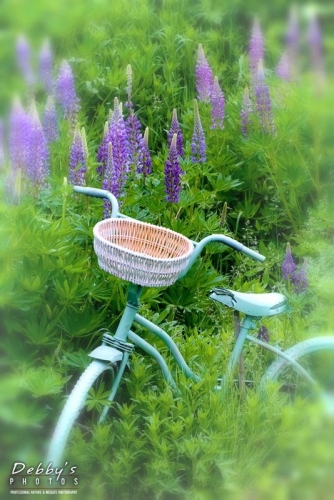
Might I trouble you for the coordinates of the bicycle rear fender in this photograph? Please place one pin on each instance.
(106, 353)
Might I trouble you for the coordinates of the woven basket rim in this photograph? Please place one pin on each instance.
(142, 254)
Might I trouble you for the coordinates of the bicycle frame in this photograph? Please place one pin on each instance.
(124, 333)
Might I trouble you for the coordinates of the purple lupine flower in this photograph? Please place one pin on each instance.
(283, 69)
(2, 145)
(175, 129)
(172, 173)
(263, 334)
(77, 161)
(45, 66)
(102, 152)
(204, 76)
(300, 280)
(292, 36)
(146, 159)
(38, 156)
(50, 120)
(218, 106)
(263, 102)
(119, 140)
(135, 142)
(110, 181)
(84, 143)
(246, 113)
(135, 139)
(255, 50)
(65, 91)
(19, 130)
(288, 266)
(23, 55)
(198, 145)
(315, 42)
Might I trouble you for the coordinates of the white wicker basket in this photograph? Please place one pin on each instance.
(142, 253)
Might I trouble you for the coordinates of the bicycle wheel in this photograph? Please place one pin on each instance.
(74, 409)
(316, 357)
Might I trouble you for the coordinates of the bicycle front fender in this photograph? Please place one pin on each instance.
(106, 353)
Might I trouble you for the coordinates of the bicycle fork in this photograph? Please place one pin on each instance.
(115, 347)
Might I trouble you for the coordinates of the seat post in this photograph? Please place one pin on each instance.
(241, 366)
(241, 331)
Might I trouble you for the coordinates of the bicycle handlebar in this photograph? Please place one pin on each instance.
(102, 193)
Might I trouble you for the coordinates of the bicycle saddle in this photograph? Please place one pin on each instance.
(253, 304)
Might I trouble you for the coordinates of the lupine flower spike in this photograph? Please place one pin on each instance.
(23, 55)
(119, 140)
(315, 41)
(292, 38)
(175, 129)
(198, 145)
(135, 142)
(146, 167)
(173, 173)
(246, 113)
(288, 266)
(84, 143)
(102, 152)
(300, 279)
(204, 76)
(283, 69)
(66, 94)
(45, 66)
(218, 106)
(50, 120)
(132, 124)
(110, 181)
(255, 51)
(19, 127)
(289, 272)
(77, 161)
(263, 102)
(2, 146)
(38, 156)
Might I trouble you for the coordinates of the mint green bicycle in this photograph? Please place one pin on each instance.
(150, 256)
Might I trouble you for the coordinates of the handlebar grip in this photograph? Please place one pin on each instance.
(252, 253)
(100, 193)
(238, 246)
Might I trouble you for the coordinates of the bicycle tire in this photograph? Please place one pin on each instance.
(74, 404)
(316, 356)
